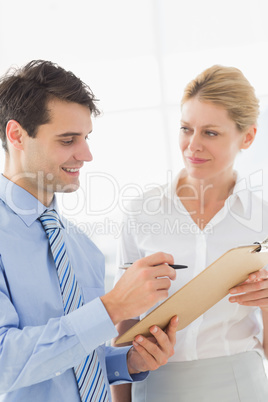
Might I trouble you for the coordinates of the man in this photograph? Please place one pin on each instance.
(54, 315)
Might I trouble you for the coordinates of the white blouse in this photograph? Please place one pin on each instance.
(158, 221)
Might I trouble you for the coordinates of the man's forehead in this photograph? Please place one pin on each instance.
(57, 103)
(67, 118)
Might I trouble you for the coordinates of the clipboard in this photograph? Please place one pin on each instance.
(205, 290)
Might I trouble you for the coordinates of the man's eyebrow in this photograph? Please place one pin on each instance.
(71, 134)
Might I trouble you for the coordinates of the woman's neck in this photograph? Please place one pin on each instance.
(215, 189)
(204, 198)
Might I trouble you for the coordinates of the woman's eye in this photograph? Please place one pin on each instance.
(211, 133)
(184, 129)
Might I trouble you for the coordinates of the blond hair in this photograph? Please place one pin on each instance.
(227, 87)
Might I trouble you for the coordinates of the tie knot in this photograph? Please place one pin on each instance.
(50, 220)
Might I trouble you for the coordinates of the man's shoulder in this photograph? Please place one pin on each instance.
(6, 217)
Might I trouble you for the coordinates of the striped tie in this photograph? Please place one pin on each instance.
(88, 373)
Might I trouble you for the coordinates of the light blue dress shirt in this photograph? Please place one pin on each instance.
(38, 344)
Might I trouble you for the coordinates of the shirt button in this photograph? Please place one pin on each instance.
(116, 373)
(58, 373)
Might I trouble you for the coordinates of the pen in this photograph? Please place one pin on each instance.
(175, 266)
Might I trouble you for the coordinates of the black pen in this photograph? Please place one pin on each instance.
(175, 266)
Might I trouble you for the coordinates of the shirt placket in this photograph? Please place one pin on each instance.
(200, 265)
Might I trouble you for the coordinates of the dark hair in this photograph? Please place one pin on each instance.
(25, 93)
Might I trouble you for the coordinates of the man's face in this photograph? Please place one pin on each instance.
(52, 160)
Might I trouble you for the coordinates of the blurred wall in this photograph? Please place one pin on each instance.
(137, 56)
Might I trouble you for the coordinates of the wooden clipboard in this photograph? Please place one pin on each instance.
(205, 290)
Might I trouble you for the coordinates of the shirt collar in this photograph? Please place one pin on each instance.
(21, 202)
(240, 193)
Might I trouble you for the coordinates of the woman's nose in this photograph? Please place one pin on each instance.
(195, 143)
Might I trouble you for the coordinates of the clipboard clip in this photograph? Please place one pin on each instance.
(263, 246)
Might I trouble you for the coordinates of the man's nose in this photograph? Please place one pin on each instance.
(83, 153)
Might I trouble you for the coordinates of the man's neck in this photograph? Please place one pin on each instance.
(43, 197)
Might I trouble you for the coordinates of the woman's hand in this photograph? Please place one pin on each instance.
(252, 292)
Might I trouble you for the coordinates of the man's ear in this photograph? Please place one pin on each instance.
(14, 133)
(248, 137)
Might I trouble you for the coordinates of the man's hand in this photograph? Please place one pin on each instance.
(254, 291)
(153, 352)
(144, 284)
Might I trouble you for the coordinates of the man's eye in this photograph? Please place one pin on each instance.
(67, 142)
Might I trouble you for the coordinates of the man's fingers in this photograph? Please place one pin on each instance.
(150, 359)
(158, 265)
(143, 285)
(172, 326)
(161, 283)
(164, 270)
(166, 339)
(151, 352)
(156, 350)
(158, 259)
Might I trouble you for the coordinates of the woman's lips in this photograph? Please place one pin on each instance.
(196, 161)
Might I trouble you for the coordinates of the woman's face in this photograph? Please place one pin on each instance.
(210, 140)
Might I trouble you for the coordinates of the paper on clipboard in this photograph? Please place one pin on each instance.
(205, 290)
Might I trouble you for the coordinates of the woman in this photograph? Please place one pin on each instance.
(204, 212)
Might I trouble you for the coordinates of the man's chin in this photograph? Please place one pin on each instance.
(67, 188)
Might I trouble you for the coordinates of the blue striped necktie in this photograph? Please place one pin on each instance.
(88, 373)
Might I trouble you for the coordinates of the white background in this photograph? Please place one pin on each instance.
(137, 56)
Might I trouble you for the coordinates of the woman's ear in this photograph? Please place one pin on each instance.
(248, 137)
(14, 133)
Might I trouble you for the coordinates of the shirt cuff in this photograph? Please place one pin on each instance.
(92, 325)
(116, 365)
